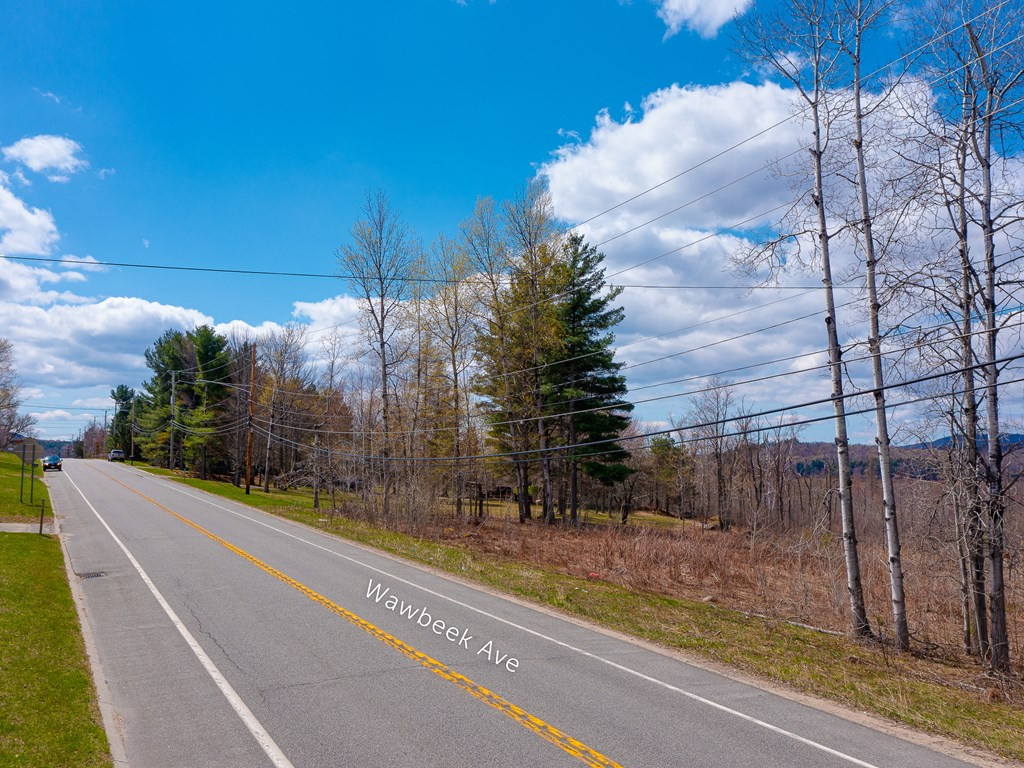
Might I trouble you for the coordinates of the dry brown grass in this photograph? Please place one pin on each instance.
(797, 576)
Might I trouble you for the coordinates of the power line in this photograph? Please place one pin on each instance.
(540, 453)
(621, 403)
(785, 120)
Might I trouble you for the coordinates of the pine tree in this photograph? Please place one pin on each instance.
(584, 388)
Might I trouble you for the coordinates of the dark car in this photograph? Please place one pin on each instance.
(116, 455)
(51, 462)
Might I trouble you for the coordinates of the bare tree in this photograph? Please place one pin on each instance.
(377, 263)
(335, 418)
(531, 229)
(797, 43)
(980, 67)
(453, 305)
(289, 377)
(483, 241)
(11, 421)
(859, 18)
(708, 425)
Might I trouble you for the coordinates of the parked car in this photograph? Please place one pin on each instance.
(51, 462)
(116, 455)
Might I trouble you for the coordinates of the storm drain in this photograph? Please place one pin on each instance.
(93, 575)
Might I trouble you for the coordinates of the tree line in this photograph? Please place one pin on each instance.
(476, 362)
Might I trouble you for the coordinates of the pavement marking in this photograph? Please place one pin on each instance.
(692, 696)
(277, 757)
(547, 732)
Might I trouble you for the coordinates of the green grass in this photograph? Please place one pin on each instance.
(48, 715)
(922, 693)
(11, 508)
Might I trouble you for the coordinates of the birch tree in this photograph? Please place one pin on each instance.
(859, 18)
(797, 44)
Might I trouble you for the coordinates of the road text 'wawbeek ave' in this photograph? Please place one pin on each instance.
(419, 616)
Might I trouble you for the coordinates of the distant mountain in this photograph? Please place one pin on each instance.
(1011, 440)
(914, 460)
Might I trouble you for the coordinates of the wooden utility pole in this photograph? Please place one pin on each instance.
(131, 431)
(170, 453)
(252, 411)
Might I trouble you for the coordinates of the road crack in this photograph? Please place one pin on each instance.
(205, 632)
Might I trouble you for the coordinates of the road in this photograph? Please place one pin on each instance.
(228, 637)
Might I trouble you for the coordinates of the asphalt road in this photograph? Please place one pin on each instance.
(228, 637)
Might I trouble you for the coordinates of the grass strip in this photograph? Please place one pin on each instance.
(12, 508)
(48, 711)
(921, 693)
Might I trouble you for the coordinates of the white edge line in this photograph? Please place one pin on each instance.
(277, 757)
(111, 723)
(567, 646)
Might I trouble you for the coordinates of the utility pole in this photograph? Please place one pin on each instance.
(131, 431)
(316, 468)
(252, 411)
(170, 454)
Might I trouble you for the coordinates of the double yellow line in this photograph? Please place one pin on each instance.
(547, 732)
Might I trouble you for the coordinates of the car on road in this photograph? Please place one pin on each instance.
(116, 455)
(51, 462)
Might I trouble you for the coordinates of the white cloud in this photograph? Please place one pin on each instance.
(60, 415)
(24, 230)
(83, 263)
(675, 133)
(25, 284)
(56, 154)
(335, 311)
(705, 17)
(243, 330)
(679, 129)
(48, 95)
(92, 402)
(72, 346)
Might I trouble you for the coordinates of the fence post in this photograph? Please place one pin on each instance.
(21, 487)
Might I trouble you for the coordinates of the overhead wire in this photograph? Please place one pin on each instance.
(951, 325)
(681, 429)
(618, 406)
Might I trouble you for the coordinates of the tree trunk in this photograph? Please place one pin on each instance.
(901, 631)
(858, 613)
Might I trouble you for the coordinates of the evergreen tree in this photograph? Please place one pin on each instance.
(198, 365)
(583, 387)
(120, 430)
(168, 354)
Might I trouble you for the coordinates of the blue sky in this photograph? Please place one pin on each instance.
(245, 136)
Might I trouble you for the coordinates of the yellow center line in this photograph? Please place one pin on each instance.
(548, 732)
